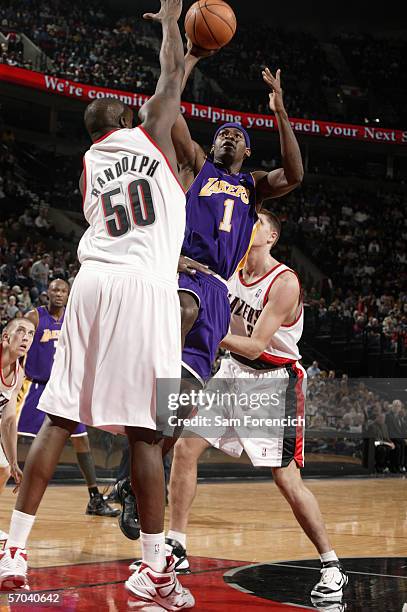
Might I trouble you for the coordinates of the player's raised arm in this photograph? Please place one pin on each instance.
(190, 155)
(160, 112)
(283, 298)
(283, 180)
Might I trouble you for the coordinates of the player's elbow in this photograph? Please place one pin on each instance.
(255, 350)
(296, 178)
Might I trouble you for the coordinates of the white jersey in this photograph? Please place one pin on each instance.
(6, 391)
(134, 205)
(247, 301)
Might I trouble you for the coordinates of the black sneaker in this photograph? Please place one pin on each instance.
(98, 506)
(333, 580)
(174, 548)
(112, 498)
(128, 519)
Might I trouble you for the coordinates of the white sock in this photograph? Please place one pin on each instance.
(177, 535)
(153, 550)
(328, 556)
(20, 527)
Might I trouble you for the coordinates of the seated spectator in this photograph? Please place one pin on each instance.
(385, 450)
(12, 307)
(40, 272)
(395, 427)
(313, 370)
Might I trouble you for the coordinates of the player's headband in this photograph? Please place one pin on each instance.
(237, 126)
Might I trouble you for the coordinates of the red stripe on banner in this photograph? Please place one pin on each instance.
(201, 112)
(299, 434)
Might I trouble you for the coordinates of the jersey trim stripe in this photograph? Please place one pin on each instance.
(105, 135)
(147, 135)
(259, 279)
(299, 443)
(275, 359)
(266, 295)
(84, 183)
(295, 320)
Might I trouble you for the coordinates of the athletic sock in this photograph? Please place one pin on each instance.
(87, 467)
(328, 557)
(93, 491)
(178, 536)
(20, 527)
(153, 550)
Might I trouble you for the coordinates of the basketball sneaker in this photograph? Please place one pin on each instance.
(99, 507)
(128, 519)
(327, 605)
(177, 551)
(13, 569)
(162, 588)
(333, 580)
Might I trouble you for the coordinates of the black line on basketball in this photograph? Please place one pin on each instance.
(209, 29)
(195, 27)
(218, 16)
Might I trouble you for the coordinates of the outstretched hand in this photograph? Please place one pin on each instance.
(276, 96)
(170, 9)
(198, 51)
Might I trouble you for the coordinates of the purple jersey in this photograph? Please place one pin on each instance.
(221, 214)
(41, 354)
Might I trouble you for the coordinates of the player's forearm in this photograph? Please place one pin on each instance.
(290, 150)
(172, 51)
(190, 63)
(9, 439)
(251, 348)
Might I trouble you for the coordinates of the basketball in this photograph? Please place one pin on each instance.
(210, 24)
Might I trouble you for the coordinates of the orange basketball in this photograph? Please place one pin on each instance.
(210, 24)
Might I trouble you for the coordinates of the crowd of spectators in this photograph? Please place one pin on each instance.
(359, 240)
(84, 43)
(344, 416)
(238, 71)
(364, 55)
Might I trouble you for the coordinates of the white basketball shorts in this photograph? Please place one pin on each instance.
(240, 420)
(121, 332)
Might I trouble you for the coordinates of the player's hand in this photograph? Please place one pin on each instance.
(17, 474)
(170, 9)
(276, 95)
(190, 266)
(198, 51)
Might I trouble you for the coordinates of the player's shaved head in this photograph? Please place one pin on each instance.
(11, 325)
(107, 114)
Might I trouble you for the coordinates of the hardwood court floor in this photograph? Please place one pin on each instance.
(232, 526)
(249, 521)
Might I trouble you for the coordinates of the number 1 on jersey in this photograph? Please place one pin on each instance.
(226, 223)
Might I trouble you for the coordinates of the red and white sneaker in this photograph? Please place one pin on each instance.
(13, 569)
(162, 588)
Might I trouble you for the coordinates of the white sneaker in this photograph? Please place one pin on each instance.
(13, 569)
(175, 550)
(333, 579)
(162, 588)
